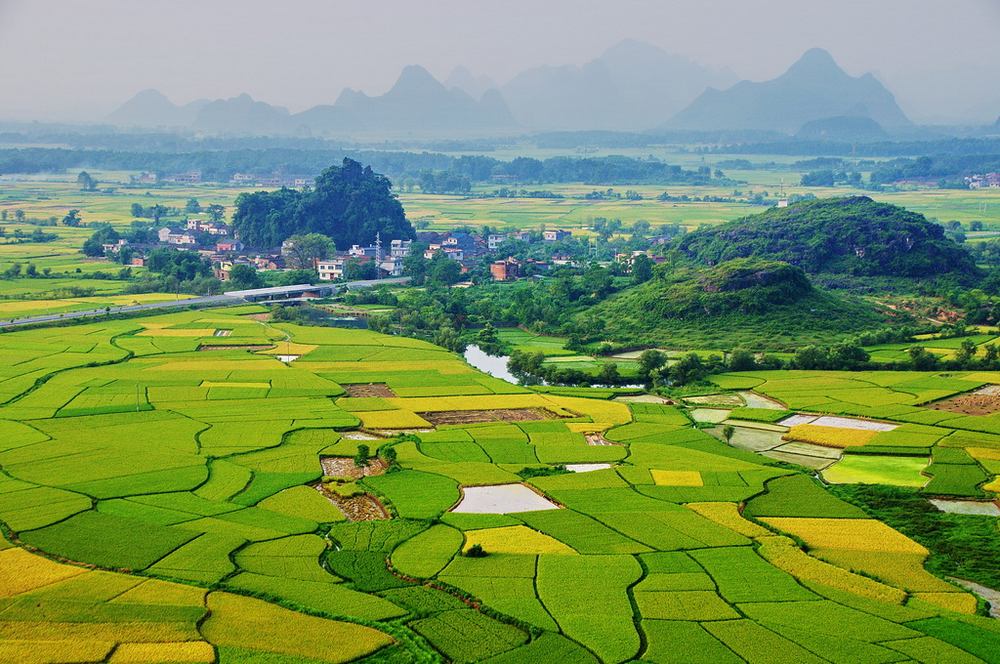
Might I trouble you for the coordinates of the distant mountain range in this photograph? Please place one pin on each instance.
(814, 88)
(417, 103)
(632, 86)
(150, 108)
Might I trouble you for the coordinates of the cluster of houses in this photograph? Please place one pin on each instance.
(239, 179)
(273, 181)
(985, 181)
(467, 249)
(391, 263)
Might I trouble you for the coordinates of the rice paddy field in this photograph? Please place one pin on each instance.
(170, 495)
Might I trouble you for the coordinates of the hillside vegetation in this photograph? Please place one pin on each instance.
(766, 305)
(854, 236)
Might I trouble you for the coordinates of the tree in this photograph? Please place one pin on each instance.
(608, 374)
(810, 357)
(966, 351)
(650, 361)
(388, 454)
(415, 266)
(305, 250)
(356, 270)
(992, 355)
(94, 245)
(216, 212)
(362, 455)
(86, 182)
(848, 355)
(137, 210)
(244, 277)
(741, 360)
(597, 281)
(727, 432)
(487, 337)
(192, 206)
(72, 219)
(922, 359)
(19, 215)
(688, 369)
(443, 271)
(642, 269)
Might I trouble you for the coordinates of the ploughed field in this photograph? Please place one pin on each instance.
(164, 504)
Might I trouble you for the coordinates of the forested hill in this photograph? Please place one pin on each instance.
(348, 204)
(765, 305)
(853, 236)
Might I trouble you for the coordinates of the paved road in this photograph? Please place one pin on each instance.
(207, 301)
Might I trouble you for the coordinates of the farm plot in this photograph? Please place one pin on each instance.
(513, 539)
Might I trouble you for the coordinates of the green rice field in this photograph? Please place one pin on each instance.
(164, 503)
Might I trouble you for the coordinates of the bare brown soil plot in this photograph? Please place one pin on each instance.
(367, 390)
(345, 467)
(494, 415)
(598, 440)
(365, 507)
(984, 401)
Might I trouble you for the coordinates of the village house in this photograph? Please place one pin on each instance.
(362, 252)
(400, 248)
(392, 266)
(144, 178)
(505, 270)
(555, 235)
(462, 241)
(987, 181)
(521, 236)
(331, 269)
(114, 247)
(268, 262)
(494, 240)
(228, 246)
(191, 177)
(169, 236)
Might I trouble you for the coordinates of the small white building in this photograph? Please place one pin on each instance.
(400, 248)
(330, 269)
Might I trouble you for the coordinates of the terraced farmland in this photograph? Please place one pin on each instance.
(164, 498)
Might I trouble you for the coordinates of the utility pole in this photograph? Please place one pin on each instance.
(378, 255)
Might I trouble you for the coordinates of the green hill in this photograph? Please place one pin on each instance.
(751, 303)
(852, 236)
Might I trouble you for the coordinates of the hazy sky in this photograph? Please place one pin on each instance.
(75, 59)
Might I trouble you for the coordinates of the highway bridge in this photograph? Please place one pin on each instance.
(229, 298)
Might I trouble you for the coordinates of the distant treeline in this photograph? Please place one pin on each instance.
(901, 148)
(949, 170)
(220, 165)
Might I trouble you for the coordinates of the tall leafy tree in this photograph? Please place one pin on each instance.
(304, 250)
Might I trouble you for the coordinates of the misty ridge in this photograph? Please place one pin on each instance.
(631, 87)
